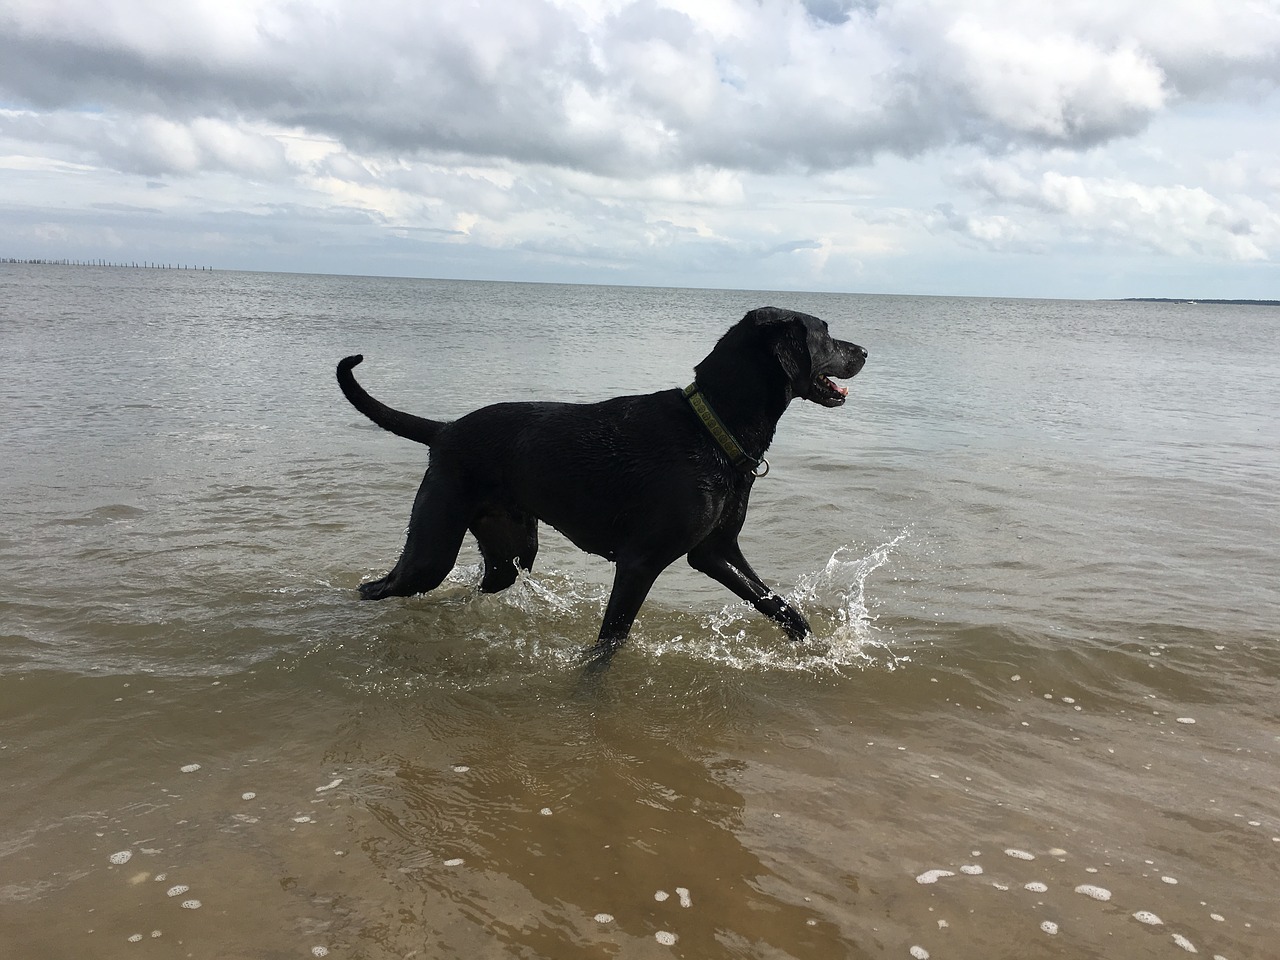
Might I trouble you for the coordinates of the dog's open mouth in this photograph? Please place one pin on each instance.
(827, 392)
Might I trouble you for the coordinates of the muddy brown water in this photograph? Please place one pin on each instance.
(1039, 717)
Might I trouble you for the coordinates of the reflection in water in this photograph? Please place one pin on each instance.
(579, 830)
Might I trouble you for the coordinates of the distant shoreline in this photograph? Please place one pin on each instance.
(1246, 303)
(152, 265)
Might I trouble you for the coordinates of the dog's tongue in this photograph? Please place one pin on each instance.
(843, 391)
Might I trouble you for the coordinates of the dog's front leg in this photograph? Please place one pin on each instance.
(632, 581)
(722, 560)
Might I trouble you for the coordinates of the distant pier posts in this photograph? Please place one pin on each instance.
(97, 262)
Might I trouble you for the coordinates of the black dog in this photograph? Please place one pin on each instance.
(639, 480)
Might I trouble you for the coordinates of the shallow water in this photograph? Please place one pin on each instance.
(1038, 547)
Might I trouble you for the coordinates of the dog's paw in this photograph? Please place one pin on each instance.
(375, 589)
(598, 655)
(794, 623)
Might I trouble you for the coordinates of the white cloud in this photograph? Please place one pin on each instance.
(1060, 88)
(1176, 219)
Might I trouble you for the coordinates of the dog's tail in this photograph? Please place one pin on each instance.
(401, 424)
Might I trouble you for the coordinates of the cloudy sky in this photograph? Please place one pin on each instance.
(1064, 148)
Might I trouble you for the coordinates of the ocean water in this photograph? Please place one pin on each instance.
(1039, 547)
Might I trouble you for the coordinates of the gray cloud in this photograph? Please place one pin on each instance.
(822, 85)
(150, 145)
(126, 208)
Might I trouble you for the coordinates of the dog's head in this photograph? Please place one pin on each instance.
(808, 354)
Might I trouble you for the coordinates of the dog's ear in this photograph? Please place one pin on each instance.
(791, 347)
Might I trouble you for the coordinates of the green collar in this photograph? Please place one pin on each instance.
(715, 426)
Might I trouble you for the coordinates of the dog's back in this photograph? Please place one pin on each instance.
(594, 471)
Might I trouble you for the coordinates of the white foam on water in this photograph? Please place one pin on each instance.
(177, 890)
(337, 781)
(661, 895)
(1049, 927)
(1184, 943)
(191, 904)
(1035, 886)
(920, 953)
(122, 856)
(1057, 852)
(319, 951)
(455, 862)
(665, 937)
(1097, 893)
(933, 876)
(155, 934)
(604, 918)
(1186, 719)
(135, 938)
(1019, 854)
(460, 768)
(1217, 916)
(190, 768)
(248, 796)
(160, 877)
(972, 869)
(545, 812)
(1147, 917)
(302, 819)
(683, 894)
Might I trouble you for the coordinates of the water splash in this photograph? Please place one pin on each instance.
(550, 617)
(835, 600)
(844, 582)
(558, 595)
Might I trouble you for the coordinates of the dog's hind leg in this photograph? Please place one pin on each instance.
(506, 542)
(436, 527)
(721, 559)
